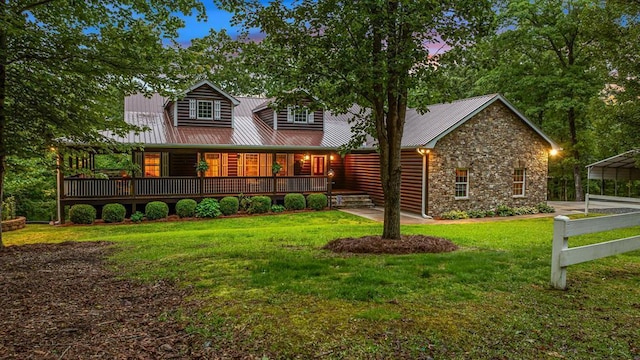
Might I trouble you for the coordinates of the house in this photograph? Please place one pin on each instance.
(474, 153)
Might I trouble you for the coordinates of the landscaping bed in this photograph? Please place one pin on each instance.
(60, 301)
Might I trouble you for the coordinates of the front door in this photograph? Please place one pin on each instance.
(317, 165)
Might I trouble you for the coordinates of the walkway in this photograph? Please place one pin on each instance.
(562, 208)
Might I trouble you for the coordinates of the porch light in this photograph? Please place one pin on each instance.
(553, 152)
(306, 156)
(423, 151)
(331, 157)
(331, 173)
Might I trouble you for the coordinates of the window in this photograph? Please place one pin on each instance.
(462, 184)
(213, 160)
(297, 114)
(152, 164)
(518, 182)
(282, 160)
(216, 110)
(205, 109)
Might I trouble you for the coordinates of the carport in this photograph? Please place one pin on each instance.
(621, 168)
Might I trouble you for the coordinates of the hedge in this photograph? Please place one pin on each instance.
(186, 208)
(82, 214)
(259, 205)
(317, 201)
(294, 201)
(113, 213)
(156, 210)
(229, 205)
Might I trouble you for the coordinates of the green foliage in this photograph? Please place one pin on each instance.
(244, 202)
(82, 214)
(317, 201)
(229, 205)
(32, 183)
(525, 210)
(137, 217)
(504, 210)
(186, 208)
(454, 215)
(294, 201)
(259, 205)
(277, 208)
(202, 166)
(9, 208)
(156, 210)
(112, 213)
(208, 208)
(476, 213)
(545, 208)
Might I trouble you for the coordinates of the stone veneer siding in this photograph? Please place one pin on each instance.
(490, 145)
(15, 224)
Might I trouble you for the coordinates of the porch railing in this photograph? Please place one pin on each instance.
(190, 186)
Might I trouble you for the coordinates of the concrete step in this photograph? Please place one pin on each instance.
(352, 201)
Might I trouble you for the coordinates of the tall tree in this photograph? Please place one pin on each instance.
(365, 52)
(551, 59)
(65, 65)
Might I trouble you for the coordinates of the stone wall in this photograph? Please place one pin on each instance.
(15, 224)
(490, 145)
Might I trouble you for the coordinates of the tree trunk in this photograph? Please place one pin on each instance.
(3, 92)
(391, 188)
(577, 170)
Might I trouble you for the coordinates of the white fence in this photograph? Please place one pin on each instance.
(563, 256)
(607, 198)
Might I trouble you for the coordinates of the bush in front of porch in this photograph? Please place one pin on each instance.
(186, 208)
(317, 201)
(229, 205)
(156, 210)
(82, 214)
(294, 201)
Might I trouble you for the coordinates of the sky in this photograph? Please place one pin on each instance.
(216, 19)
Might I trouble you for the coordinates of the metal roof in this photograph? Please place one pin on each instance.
(421, 130)
(620, 167)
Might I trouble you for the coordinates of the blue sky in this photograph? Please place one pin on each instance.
(216, 19)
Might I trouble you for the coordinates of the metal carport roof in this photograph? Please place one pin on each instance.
(620, 167)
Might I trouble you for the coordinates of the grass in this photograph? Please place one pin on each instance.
(264, 285)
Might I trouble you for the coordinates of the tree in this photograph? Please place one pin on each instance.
(66, 65)
(365, 52)
(550, 59)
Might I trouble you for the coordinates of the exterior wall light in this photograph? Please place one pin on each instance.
(553, 152)
(306, 156)
(423, 151)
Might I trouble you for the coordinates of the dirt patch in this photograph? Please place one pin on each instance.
(408, 244)
(61, 302)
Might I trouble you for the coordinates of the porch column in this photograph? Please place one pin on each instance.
(59, 188)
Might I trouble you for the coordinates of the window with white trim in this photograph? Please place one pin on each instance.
(297, 114)
(205, 109)
(519, 176)
(462, 184)
(217, 113)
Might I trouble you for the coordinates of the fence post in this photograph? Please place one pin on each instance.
(560, 243)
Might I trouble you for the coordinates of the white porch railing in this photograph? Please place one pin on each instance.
(563, 256)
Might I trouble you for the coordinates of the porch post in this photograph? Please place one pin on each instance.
(60, 188)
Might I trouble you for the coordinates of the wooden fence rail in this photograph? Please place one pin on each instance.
(563, 256)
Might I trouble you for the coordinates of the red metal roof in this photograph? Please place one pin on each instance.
(250, 132)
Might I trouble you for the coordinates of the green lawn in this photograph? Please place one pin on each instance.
(264, 285)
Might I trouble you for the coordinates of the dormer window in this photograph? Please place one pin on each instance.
(205, 109)
(299, 115)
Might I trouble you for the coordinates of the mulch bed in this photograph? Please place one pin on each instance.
(60, 301)
(408, 244)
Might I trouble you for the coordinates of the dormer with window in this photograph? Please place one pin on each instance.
(292, 117)
(204, 104)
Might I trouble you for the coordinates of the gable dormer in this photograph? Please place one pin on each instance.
(204, 104)
(291, 117)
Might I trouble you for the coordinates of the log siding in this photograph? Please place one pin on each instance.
(205, 92)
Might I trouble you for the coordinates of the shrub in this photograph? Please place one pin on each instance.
(9, 208)
(112, 213)
(545, 208)
(156, 210)
(208, 208)
(244, 202)
(317, 201)
(186, 208)
(137, 217)
(229, 205)
(277, 208)
(490, 213)
(504, 210)
(476, 214)
(454, 215)
(259, 205)
(82, 214)
(525, 210)
(294, 201)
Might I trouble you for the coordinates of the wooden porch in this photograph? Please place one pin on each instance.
(131, 189)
